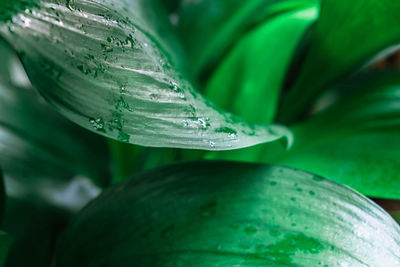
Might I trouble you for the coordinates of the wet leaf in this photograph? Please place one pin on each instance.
(114, 67)
(227, 214)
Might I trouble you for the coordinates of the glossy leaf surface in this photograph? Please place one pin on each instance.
(227, 214)
(346, 37)
(113, 67)
(354, 142)
(250, 78)
(209, 28)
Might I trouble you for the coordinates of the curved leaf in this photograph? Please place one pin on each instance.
(354, 142)
(208, 28)
(111, 66)
(251, 76)
(228, 214)
(359, 134)
(345, 38)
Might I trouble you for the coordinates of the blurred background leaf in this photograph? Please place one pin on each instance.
(5, 239)
(249, 80)
(345, 38)
(209, 28)
(51, 168)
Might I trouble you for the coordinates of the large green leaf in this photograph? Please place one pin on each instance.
(230, 214)
(251, 76)
(113, 67)
(208, 28)
(354, 142)
(345, 38)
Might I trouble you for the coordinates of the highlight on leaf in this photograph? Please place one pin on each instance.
(112, 67)
(227, 214)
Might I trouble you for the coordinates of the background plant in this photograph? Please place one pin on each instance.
(269, 83)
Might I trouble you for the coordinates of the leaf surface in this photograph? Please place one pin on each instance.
(346, 37)
(227, 214)
(353, 142)
(209, 28)
(250, 78)
(114, 67)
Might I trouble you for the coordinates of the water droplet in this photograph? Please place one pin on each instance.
(97, 124)
(145, 44)
(208, 208)
(129, 41)
(212, 144)
(121, 104)
(232, 133)
(123, 137)
(106, 48)
(84, 69)
(154, 97)
(174, 86)
(70, 4)
(317, 178)
(250, 230)
(202, 122)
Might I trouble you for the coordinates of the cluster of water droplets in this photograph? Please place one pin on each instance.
(114, 72)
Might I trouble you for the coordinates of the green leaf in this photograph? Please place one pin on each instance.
(5, 244)
(354, 142)
(5, 239)
(2, 197)
(252, 74)
(42, 153)
(51, 168)
(228, 214)
(345, 38)
(209, 28)
(114, 67)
